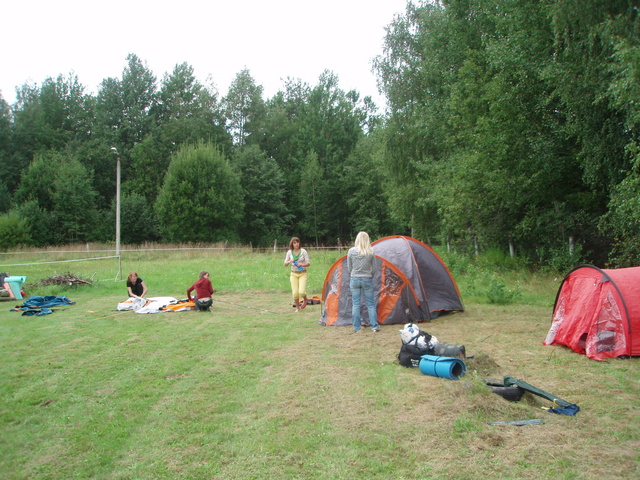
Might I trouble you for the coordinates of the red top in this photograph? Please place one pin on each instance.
(203, 288)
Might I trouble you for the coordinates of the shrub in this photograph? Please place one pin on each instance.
(13, 231)
(498, 292)
(201, 198)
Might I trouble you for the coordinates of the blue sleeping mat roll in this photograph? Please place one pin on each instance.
(444, 367)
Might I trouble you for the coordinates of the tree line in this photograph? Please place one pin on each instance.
(510, 125)
(195, 166)
(515, 124)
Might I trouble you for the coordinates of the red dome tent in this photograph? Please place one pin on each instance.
(411, 284)
(597, 312)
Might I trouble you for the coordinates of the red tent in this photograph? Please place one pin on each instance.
(597, 312)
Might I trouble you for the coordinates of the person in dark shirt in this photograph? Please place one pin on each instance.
(204, 290)
(135, 286)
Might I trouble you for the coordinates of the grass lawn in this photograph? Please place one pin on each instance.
(253, 390)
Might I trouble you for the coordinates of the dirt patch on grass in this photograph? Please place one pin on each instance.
(354, 383)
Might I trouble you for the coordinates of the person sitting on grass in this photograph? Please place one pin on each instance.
(5, 289)
(204, 290)
(135, 286)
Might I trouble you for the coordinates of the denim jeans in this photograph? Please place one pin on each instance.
(358, 286)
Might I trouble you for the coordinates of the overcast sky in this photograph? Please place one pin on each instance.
(274, 39)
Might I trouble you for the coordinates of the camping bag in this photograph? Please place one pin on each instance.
(410, 330)
(411, 353)
(446, 350)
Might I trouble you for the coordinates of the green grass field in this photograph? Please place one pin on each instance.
(254, 391)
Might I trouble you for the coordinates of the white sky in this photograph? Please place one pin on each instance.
(274, 39)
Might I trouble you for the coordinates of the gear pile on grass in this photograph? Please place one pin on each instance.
(64, 279)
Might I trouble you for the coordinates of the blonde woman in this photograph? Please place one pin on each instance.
(298, 258)
(361, 263)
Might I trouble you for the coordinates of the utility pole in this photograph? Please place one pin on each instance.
(114, 150)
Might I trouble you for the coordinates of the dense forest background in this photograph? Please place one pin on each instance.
(510, 126)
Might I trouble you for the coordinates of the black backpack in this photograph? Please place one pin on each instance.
(410, 352)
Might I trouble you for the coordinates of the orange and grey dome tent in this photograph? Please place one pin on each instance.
(411, 284)
(597, 312)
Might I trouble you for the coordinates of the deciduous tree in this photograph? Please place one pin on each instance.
(201, 197)
(265, 212)
(244, 107)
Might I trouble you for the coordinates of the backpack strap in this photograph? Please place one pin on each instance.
(427, 337)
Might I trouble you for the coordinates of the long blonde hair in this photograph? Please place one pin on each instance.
(363, 244)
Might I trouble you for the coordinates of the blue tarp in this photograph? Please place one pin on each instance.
(570, 410)
(38, 312)
(48, 301)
